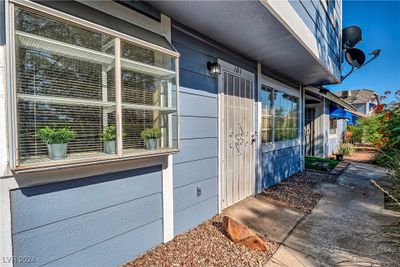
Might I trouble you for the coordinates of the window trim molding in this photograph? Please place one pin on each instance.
(278, 86)
(90, 25)
(11, 95)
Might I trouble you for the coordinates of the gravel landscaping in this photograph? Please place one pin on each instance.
(205, 245)
(297, 192)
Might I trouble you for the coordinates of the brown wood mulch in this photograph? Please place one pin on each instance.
(207, 245)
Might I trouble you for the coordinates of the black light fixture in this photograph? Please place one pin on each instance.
(214, 68)
(351, 36)
(356, 59)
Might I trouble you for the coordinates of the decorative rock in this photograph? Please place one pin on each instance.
(241, 234)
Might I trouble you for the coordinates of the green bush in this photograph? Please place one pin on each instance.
(55, 136)
(150, 133)
(356, 134)
(109, 133)
(391, 160)
(346, 149)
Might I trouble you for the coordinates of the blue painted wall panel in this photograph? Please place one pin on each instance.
(279, 165)
(54, 222)
(197, 105)
(190, 172)
(117, 250)
(198, 127)
(196, 149)
(189, 218)
(187, 196)
(40, 205)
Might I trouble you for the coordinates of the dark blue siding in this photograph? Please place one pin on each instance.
(280, 164)
(325, 25)
(81, 221)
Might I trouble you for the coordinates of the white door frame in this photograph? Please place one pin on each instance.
(248, 75)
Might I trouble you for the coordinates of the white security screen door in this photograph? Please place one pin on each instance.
(236, 94)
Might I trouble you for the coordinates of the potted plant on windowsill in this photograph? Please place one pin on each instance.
(56, 140)
(108, 137)
(151, 136)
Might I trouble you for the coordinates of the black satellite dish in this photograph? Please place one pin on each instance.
(351, 36)
(355, 57)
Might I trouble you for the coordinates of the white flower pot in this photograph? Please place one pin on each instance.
(152, 143)
(57, 151)
(109, 147)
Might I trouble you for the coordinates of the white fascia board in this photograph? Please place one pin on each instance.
(286, 14)
(332, 98)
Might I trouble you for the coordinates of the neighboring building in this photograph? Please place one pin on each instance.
(93, 65)
(326, 120)
(364, 99)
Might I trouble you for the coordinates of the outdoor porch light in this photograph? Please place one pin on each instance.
(214, 68)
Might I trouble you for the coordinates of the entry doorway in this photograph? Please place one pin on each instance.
(236, 134)
(309, 130)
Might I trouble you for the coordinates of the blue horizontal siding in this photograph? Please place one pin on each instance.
(56, 222)
(198, 81)
(190, 217)
(198, 127)
(190, 172)
(196, 149)
(279, 165)
(197, 105)
(117, 250)
(187, 196)
(322, 32)
(39, 205)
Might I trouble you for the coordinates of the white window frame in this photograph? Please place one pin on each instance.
(12, 90)
(278, 86)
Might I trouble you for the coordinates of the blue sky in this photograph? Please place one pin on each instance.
(380, 24)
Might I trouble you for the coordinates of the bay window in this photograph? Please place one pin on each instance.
(69, 76)
(279, 116)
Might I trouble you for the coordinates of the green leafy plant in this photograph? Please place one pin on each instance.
(109, 133)
(55, 136)
(346, 149)
(150, 133)
(391, 161)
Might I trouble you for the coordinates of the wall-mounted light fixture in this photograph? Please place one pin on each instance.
(214, 68)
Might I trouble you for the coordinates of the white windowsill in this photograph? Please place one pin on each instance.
(279, 145)
(36, 165)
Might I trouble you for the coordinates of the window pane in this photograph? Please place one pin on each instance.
(65, 79)
(332, 126)
(148, 99)
(266, 123)
(131, 53)
(286, 116)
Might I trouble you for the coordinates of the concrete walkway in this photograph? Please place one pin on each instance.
(344, 229)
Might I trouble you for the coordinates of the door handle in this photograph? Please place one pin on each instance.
(253, 137)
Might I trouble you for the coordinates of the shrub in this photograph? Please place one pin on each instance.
(356, 134)
(109, 133)
(55, 136)
(150, 133)
(346, 149)
(391, 160)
